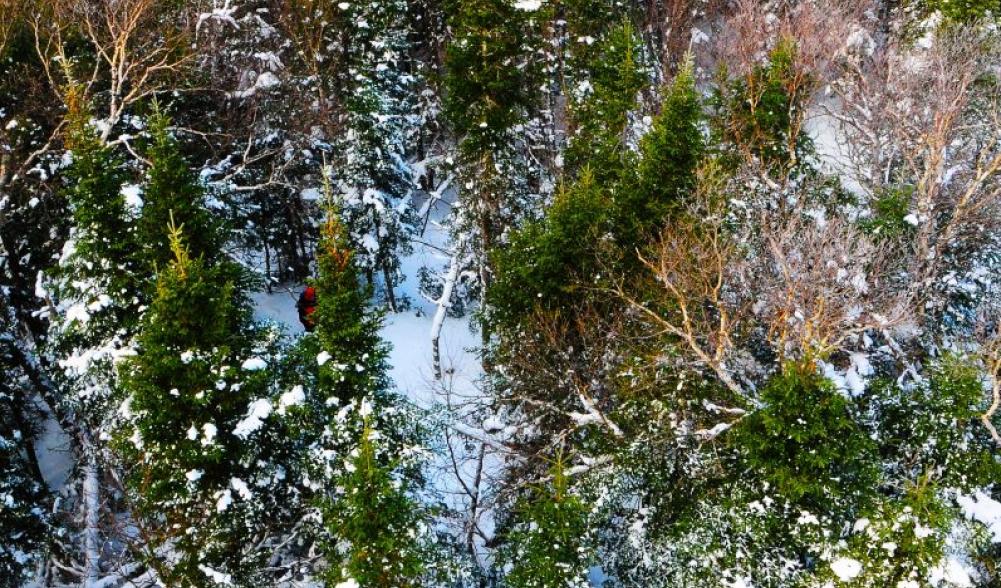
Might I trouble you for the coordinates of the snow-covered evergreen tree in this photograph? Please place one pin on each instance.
(197, 480)
(373, 146)
(92, 296)
(23, 514)
(488, 95)
(173, 193)
(364, 455)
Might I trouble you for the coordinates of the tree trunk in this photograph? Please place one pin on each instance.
(92, 518)
(390, 294)
(443, 302)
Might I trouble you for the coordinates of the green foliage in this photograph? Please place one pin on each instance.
(173, 191)
(105, 236)
(346, 329)
(374, 141)
(185, 395)
(548, 546)
(549, 262)
(963, 11)
(898, 541)
(371, 520)
(671, 153)
(600, 115)
(375, 522)
(487, 89)
(788, 441)
(933, 430)
(756, 113)
(888, 212)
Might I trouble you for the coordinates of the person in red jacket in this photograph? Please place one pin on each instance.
(306, 307)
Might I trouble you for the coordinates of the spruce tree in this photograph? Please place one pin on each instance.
(375, 522)
(96, 286)
(548, 546)
(195, 395)
(346, 329)
(548, 263)
(670, 154)
(94, 295)
(486, 89)
(363, 454)
(203, 472)
(756, 113)
(172, 190)
(375, 179)
(784, 441)
(489, 89)
(611, 78)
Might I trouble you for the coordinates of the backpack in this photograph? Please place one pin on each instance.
(307, 306)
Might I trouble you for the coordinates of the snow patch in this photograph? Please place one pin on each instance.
(293, 397)
(528, 5)
(254, 364)
(846, 568)
(259, 410)
(217, 577)
(981, 507)
(133, 195)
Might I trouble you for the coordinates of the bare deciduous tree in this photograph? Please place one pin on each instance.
(922, 123)
(804, 284)
(700, 271)
(134, 55)
(820, 283)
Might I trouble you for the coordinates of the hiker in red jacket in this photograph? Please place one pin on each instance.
(306, 307)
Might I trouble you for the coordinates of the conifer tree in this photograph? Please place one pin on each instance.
(548, 546)
(376, 522)
(758, 117)
(669, 157)
(194, 396)
(93, 297)
(611, 78)
(374, 178)
(488, 92)
(22, 504)
(547, 261)
(346, 329)
(172, 190)
(364, 438)
(202, 470)
(96, 283)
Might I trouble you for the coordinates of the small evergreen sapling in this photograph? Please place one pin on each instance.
(549, 545)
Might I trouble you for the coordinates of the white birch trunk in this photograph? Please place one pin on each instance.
(443, 302)
(92, 517)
